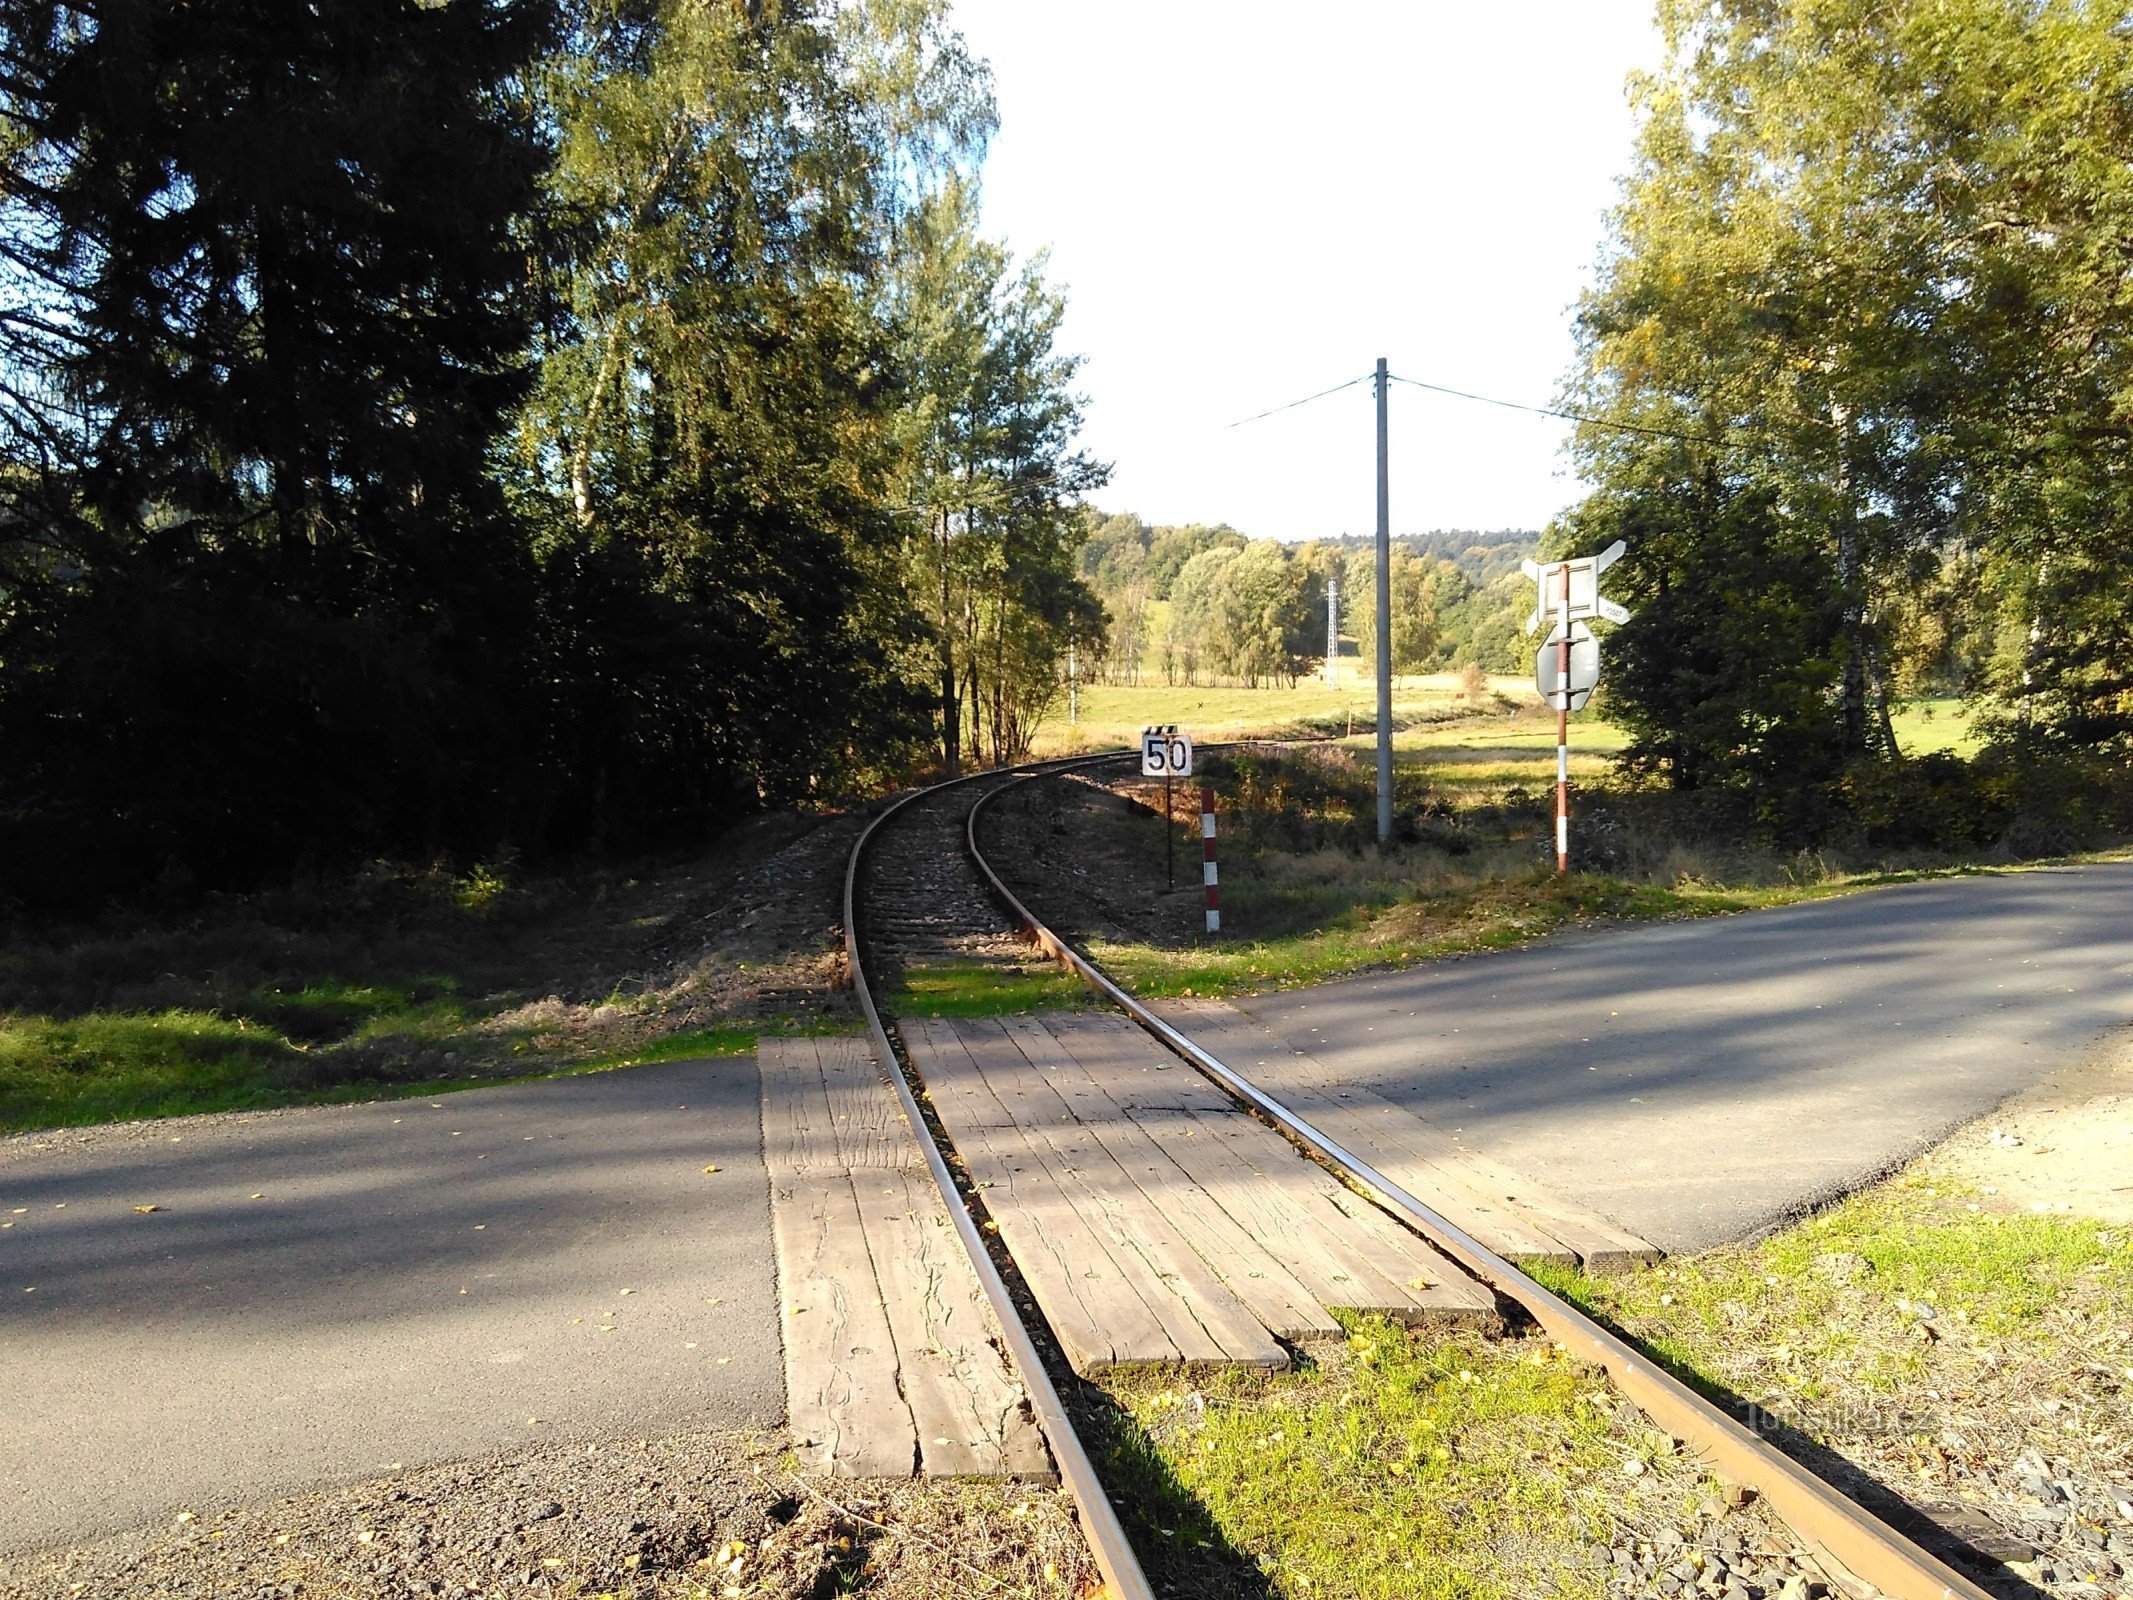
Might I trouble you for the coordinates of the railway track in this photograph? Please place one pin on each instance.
(919, 888)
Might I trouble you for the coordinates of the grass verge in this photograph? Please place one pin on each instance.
(117, 1068)
(400, 980)
(1923, 1346)
(1401, 1464)
(978, 989)
(1341, 937)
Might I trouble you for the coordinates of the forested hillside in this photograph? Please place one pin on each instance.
(1206, 604)
(504, 426)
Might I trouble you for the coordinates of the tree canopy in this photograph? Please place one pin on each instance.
(1858, 354)
(457, 427)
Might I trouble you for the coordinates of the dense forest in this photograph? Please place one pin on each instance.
(1203, 603)
(1860, 379)
(458, 429)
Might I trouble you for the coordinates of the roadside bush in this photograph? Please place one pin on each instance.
(2015, 803)
(1325, 797)
(1936, 802)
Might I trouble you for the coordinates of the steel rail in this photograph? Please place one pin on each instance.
(1099, 1521)
(1847, 1538)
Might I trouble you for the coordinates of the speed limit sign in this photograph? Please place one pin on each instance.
(1165, 753)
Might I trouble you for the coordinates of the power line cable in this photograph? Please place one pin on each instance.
(1573, 416)
(1306, 400)
(1507, 405)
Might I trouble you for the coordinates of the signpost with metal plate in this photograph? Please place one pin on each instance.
(1566, 669)
(1584, 675)
(1167, 754)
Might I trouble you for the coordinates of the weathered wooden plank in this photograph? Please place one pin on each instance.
(847, 1415)
(1269, 1290)
(950, 1075)
(1382, 1135)
(1015, 1082)
(1207, 1323)
(1088, 1297)
(865, 1114)
(1366, 1261)
(1404, 1277)
(1504, 1210)
(1439, 1290)
(1602, 1246)
(967, 1406)
(1259, 1178)
(1504, 1202)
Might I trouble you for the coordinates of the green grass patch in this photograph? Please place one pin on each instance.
(977, 989)
(392, 980)
(1396, 1464)
(727, 1039)
(1924, 727)
(334, 1008)
(1872, 1295)
(1332, 935)
(1114, 714)
(58, 1073)
(115, 1067)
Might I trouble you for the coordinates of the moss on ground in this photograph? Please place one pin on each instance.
(1924, 1348)
(1396, 1464)
(983, 989)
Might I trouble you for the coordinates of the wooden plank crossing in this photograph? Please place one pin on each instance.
(891, 1360)
(1505, 1211)
(1154, 1221)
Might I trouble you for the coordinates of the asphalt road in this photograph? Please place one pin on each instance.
(1698, 1081)
(324, 1294)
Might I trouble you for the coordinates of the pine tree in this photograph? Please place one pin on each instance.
(266, 595)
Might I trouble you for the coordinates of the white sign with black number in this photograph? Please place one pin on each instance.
(1165, 753)
(1584, 668)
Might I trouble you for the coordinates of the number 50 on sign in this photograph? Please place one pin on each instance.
(1165, 753)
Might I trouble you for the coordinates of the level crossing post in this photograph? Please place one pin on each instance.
(1562, 724)
(1384, 620)
(1207, 850)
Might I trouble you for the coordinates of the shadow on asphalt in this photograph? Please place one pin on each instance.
(359, 1205)
(1741, 994)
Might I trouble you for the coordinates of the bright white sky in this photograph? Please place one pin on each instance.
(1248, 202)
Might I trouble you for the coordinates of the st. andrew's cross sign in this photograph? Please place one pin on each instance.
(1569, 596)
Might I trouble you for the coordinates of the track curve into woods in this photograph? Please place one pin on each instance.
(927, 905)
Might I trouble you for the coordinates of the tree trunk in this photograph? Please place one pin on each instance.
(951, 709)
(581, 452)
(1884, 720)
(1851, 585)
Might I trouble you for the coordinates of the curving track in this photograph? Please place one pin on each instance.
(930, 894)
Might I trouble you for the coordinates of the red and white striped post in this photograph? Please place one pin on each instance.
(1207, 845)
(1562, 724)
